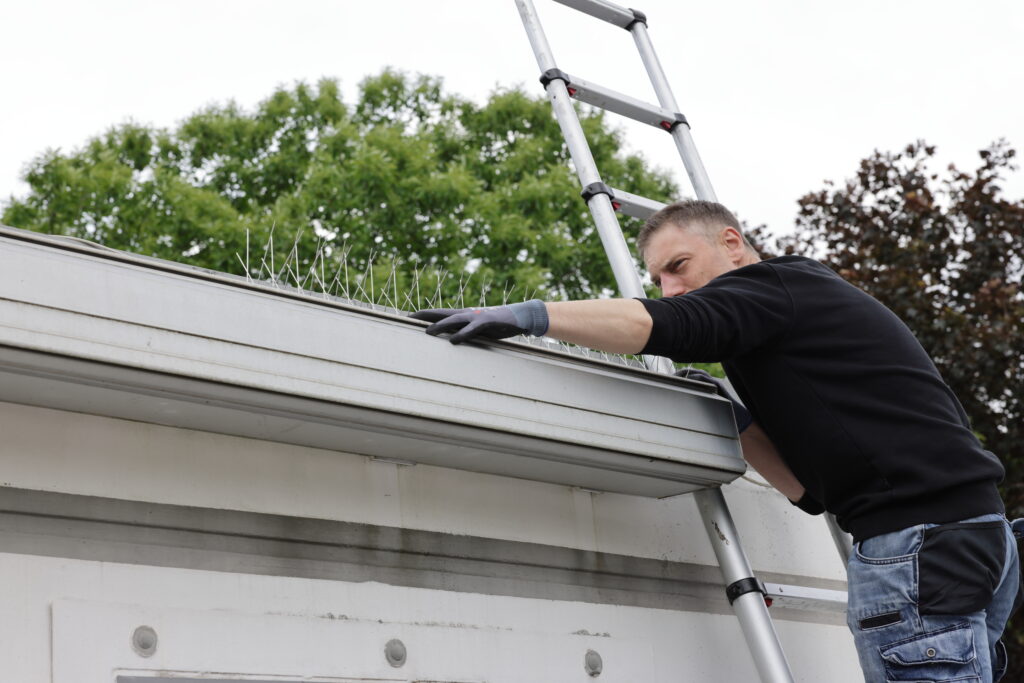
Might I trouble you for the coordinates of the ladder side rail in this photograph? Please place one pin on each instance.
(750, 607)
(600, 204)
(680, 134)
(748, 603)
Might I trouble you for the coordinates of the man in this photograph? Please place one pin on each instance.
(849, 415)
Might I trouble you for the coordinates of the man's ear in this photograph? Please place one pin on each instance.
(733, 242)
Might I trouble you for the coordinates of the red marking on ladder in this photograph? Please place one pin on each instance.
(572, 92)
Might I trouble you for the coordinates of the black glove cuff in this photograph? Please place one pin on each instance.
(809, 505)
(743, 417)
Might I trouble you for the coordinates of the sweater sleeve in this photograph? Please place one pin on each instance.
(731, 315)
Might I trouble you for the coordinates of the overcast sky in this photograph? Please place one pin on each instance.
(781, 95)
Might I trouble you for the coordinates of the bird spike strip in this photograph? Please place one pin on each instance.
(332, 274)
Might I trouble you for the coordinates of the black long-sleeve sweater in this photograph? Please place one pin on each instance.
(849, 397)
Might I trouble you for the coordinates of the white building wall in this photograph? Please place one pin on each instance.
(52, 450)
(258, 626)
(70, 620)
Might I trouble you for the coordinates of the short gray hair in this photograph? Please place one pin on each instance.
(697, 215)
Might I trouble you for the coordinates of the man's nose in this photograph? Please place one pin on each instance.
(672, 287)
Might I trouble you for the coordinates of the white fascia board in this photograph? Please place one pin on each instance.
(114, 334)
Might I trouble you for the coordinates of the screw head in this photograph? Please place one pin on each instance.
(144, 641)
(592, 664)
(395, 653)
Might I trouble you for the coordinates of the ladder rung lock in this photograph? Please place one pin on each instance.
(616, 102)
(623, 17)
(595, 189)
(556, 75)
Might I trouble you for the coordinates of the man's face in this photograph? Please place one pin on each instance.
(681, 261)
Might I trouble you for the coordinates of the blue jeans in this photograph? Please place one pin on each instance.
(929, 602)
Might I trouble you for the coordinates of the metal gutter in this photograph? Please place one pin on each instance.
(114, 334)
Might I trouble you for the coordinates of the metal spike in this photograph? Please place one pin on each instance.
(323, 286)
(440, 282)
(344, 260)
(311, 269)
(409, 304)
(295, 253)
(270, 241)
(391, 284)
(360, 293)
(336, 280)
(506, 294)
(285, 266)
(462, 292)
(369, 266)
(240, 261)
(416, 276)
(268, 250)
(291, 271)
(483, 293)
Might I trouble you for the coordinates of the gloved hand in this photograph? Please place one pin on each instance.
(743, 416)
(494, 322)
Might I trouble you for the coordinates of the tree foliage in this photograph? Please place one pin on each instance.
(407, 173)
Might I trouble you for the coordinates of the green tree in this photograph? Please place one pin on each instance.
(407, 174)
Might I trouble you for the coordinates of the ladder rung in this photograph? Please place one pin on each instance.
(627, 106)
(634, 205)
(806, 598)
(606, 11)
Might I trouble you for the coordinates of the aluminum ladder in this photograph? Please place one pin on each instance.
(745, 592)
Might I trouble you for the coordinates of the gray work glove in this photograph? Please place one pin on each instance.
(743, 417)
(494, 322)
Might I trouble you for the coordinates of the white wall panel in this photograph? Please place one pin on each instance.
(224, 623)
(74, 453)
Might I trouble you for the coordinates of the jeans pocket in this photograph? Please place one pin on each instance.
(944, 655)
(1001, 661)
(959, 566)
(894, 547)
